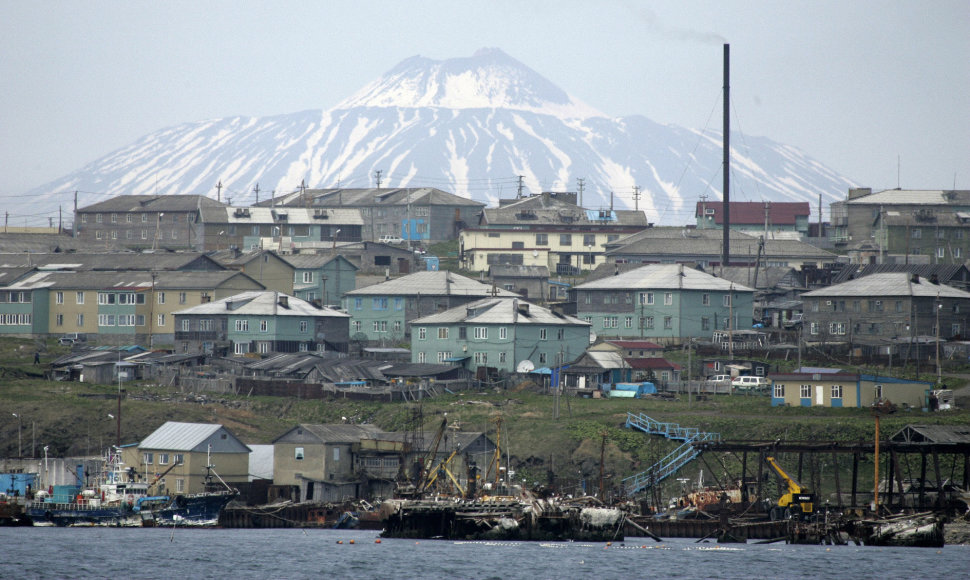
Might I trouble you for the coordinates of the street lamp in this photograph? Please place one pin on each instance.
(20, 441)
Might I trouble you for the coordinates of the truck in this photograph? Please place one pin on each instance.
(797, 503)
(632, 390)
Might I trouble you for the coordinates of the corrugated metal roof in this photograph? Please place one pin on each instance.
(262, 303)
(888, 284)
(663, 277)
(910, 197)
(174, 436)
(500, 311)
(440, 283)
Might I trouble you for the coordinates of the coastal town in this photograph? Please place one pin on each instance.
(406, 298)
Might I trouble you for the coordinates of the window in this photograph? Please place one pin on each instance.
(59, 297)
(263, 326)
(542, 239)
(481, 358)
(443, 356)
(668, 298)
(99, 218)
(182, 297)
(805, 391)
(589, 240)
(917, 233)
(298, 453)
(422, 333)
(179, 485)
(646, 298)
(705, 323)
(98, 235)
(240, 347)
(79, 298)
(358, 303)
(163, 458)
(442, 333)
(304, 326)
(161, 320)
(80, 320)
(837, 328)
(518, 245)
(957, 252)
(242, 326)
(140, 320)
(379, 304)
(161, 298)
(114, 218)
(144, 234)
(647, 322)
(878, 392)
(836, 391)
(128, 234)
(813, 328)
(178, 459)
(106, 298)
(481, 333)
(727, 299)
(114, 235)
(380, 326)
(705, 299)
(148, 458)
(399, 304)
(542, 334)
(941, 252)
(503, 333)
(565, 239)
(422, 358)
(779, 391)
(609, 321)
(628, 322)
(668, 322)
(205, 325)
(59, 320)
(542, 358)
(502, 357)
(357, 326)
(308, 277)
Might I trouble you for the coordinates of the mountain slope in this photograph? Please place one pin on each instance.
(467, 125)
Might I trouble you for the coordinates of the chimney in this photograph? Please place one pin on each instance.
(228, 304)
(915, 278)
(859, 192)
(284, 301)
(934, 279)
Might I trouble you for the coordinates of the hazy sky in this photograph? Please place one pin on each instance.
(877, 90)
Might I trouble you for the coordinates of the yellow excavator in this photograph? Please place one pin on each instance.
(799, 501)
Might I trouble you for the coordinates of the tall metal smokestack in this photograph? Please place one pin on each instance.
(726, 206)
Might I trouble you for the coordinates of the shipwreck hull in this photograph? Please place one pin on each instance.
(499, 520)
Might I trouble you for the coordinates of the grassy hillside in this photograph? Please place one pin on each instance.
(72, 418)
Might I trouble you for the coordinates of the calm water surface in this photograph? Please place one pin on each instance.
(213, 553)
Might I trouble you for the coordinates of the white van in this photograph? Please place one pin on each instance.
(389, 239)
(750, 384)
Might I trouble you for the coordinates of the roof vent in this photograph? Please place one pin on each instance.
(284, 301)
(915, 278)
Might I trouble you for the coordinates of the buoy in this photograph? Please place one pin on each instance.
(340, 541)
(377, 541)
(351, 541)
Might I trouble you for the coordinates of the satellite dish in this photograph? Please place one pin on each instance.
(592, 337)
(525, 366)
(535, 253)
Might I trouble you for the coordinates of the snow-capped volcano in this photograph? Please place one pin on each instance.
(489, 79)
(471, 126)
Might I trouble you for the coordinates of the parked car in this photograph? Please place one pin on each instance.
(389, 239)
(72, 338)
(750, 384)
(794, 322)
(719, 380)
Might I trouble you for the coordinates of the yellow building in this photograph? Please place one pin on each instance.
(834, 388)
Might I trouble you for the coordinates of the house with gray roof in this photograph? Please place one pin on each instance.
(860, 217)
(500, 333)
(885, 307)
(322, 278)
(185, 450)
(144, 222)
(380, 313)
(682, 245)
(545, 230)
(260, 322)
(424, 215)
(665, 303)
(279, 228)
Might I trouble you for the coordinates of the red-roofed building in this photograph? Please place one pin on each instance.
(751, 216)
(660, 371)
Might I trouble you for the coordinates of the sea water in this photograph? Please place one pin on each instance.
(183, 553)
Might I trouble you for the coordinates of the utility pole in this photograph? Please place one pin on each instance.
(767, 208)
(219, 191)
(939, 369)
(731, 322)
(256, 191)
(377, 176)
(518, 193)
(581, 182)
(74, 224)
(636, 198)
(60, 219)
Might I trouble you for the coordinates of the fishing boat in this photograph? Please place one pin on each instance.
(923, 530)
(113, 502)
(122, 501)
